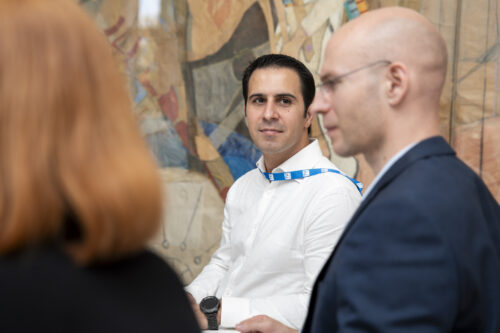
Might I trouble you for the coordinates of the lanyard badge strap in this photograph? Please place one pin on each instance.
(299, 174)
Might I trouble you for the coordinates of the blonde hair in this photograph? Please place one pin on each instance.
(70, 148)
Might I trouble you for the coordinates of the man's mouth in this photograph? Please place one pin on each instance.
(331, 128)
(270, 131)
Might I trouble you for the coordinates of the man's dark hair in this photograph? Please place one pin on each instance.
(282, 61)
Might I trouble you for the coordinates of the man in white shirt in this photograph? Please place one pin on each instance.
(282, 219)
(421, 254)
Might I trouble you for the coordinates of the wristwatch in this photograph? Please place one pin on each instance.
(209, 306)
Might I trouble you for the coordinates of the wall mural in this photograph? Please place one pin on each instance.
(184, 60)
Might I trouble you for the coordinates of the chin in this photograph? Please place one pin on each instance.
(342, 151)
(268, 145)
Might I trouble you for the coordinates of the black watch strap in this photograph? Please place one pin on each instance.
(212, 321)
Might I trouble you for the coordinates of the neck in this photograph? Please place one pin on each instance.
(271, 161)
(377, 159)
(396, 142)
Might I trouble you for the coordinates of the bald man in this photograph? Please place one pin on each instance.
(422, 252)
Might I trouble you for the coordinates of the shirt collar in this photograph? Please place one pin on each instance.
(306, 158)
(387, 166)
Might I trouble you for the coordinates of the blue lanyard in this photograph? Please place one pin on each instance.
(274, 176)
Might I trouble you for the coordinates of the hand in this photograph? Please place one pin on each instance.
(219, 312)
(200, 316)
(263, 324)
(190, 298)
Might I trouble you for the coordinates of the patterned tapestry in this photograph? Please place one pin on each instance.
(184, 60)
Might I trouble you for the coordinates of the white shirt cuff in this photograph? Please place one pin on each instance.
(197, 293)
(234, 310)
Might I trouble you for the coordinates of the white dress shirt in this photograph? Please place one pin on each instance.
(276, 236)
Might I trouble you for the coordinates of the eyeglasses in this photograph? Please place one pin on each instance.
(327, 86)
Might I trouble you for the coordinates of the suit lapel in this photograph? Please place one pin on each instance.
(426, 148)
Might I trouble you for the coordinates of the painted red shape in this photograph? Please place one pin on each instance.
(223, 193)
(117, 39)
(134, 48)
(182, 130)
(169, 104)
(115, 27)
(149, 87)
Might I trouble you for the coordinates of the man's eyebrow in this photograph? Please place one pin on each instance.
(276, 95)
(256, 95)
(326, 77)
(286, 95)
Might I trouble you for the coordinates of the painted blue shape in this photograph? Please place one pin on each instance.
(351, 9)
(238, 166)
(166, 145)
(239, 153)
(141, 92)
(164, 25)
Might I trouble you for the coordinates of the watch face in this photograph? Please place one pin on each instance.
(209, 304)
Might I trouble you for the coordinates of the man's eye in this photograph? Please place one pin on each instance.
(330, 84)
(285, 101)
(258, 100)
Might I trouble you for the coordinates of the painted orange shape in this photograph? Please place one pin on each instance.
(362, 6)
(219, 10)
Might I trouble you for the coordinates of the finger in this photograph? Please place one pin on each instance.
(259, 323)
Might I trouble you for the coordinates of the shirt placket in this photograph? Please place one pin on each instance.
(262, 208)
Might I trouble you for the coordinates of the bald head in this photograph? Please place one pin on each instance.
(399, 35)
(382, 75)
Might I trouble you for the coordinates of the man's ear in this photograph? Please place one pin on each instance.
(308, 118)
(397, 81)
(245, 111)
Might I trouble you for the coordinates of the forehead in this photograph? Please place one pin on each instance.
(340, 55)
(274, 80)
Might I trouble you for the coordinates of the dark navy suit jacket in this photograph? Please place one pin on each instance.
(421, 253)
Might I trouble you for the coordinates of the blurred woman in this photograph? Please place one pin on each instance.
(79, 191)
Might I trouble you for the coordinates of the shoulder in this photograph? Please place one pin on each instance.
(54, 262)
(243, 183)
(436, 198)
(246, 178)
(332, 182)
(149, 293)
(440, 183)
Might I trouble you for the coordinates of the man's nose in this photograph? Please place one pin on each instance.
(319, 104)
(270, 111)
